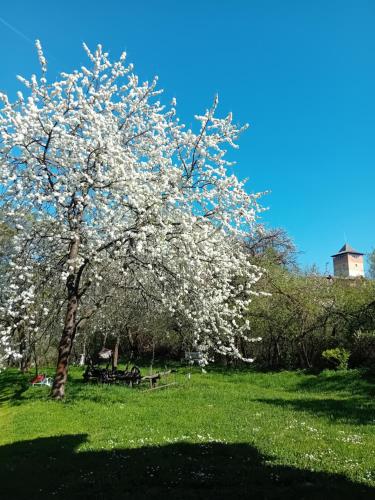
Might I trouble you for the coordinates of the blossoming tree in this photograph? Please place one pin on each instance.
(112, 180)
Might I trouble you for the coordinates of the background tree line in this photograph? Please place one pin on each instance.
(308, 313)
(298, 315)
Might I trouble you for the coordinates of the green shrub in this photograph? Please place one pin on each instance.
(363, 349)
(338, 356)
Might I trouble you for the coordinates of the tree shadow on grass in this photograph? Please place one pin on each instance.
(12, 386)
(52, 468)
(352, 382)
(353, 410)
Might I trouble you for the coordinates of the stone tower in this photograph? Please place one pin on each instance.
(348, 263)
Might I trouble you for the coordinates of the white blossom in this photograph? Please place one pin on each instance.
(95, 158)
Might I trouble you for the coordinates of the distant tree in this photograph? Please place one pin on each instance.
(272, 245)
(371, 264)
(312, 270)
(6, 235)
(114, 181)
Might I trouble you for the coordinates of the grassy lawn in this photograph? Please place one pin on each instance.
(224, 434)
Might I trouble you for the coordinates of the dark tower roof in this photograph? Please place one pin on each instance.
(346, 249)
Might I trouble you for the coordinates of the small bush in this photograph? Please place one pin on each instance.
(338, 356)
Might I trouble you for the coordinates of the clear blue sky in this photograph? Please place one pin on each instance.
(302, 73)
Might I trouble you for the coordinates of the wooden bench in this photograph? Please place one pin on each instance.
(152, 379)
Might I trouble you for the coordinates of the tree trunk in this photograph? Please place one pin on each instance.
(25, 361)
(115, 353)
(25, 353)
(70, 326)
(65, 347)
(36, 361)
(82, 359)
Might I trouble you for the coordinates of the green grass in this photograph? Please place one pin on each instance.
(236, 434)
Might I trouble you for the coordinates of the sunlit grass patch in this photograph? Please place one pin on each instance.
(290, 434)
